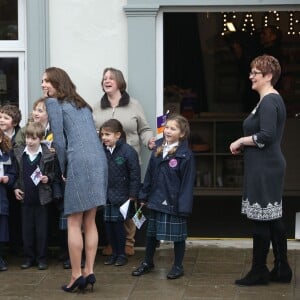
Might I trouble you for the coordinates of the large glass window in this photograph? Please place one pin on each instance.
(9, 20)
(13, 89)
(9, 80)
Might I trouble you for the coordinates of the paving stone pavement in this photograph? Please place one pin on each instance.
(210, 270)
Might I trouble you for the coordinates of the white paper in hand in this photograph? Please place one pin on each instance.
(1, 169)
(138, 219)
(36, 176)
(124, 209)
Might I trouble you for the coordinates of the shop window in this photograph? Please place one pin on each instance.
(207, 59)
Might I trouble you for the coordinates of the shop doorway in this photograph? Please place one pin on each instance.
(206, 68)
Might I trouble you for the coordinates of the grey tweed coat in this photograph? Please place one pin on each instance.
(81, 156)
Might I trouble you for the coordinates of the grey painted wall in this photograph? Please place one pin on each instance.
(37, 46)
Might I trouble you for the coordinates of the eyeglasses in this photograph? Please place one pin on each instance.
(254, 73)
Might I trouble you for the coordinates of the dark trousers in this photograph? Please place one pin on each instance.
(116, 236)
(15, 230)
(35, 232)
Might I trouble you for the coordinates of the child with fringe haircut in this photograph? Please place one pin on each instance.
(168, 193)
(124, 179)
(35, 166)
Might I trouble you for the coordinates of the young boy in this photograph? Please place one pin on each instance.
(35, 166)
(10, 118)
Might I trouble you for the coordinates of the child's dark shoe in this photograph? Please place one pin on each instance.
(142, 269)
(27, 264)
(111, 260)
(175, 272)
(42, 265)
(3, 265)
(67, 264)
(121, 260)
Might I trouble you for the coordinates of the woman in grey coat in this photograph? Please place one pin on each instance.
(84, 168)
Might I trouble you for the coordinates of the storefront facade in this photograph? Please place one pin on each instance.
(84, 37)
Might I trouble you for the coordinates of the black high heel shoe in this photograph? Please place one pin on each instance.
(78, 284)
(90, 279)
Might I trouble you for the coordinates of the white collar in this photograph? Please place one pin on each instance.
(10, 135)
(168, 147)
(32, 156)
(111, 149)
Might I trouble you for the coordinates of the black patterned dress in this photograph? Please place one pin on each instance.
(264, 163)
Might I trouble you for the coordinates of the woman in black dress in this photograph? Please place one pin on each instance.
(264, 174)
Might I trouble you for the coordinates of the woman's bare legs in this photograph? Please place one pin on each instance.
(75, 244)
(90, 240)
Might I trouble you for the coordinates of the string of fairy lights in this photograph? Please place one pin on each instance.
(270, 18)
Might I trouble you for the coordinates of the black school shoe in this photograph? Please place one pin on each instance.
(121, 260)
(3, 265)
(142, 269)
(175, 272)
(111, 260)
(42, 266)
(27, 264)
(67, 264)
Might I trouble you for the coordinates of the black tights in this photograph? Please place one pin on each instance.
(269, 229)
(265, 232)
(179, 248)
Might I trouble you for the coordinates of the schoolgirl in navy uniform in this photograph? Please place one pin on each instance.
(168, 193)
(124, 180)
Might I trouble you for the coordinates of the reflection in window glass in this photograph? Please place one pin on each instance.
(9, 81)
(8, 19)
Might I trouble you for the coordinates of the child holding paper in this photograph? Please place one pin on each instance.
(124, 178)
(168, 193)
(35, 168)
(7, 179)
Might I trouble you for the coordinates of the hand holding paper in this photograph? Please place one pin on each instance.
(124, 208)
(138, 219)
(36, 176)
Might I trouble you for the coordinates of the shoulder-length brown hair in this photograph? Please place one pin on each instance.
(5, 144)
(65, 88)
